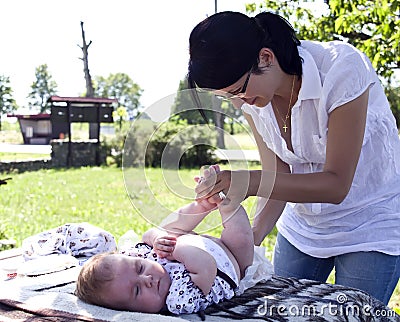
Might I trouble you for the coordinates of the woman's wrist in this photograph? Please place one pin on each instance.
(254, 183)
(261, 183)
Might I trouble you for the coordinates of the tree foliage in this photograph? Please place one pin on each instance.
(393, 95)
(121, 87)
(41, 89)
(217, 111)
(371, 26)
(184, 106)
(119, 115)
(7, 102)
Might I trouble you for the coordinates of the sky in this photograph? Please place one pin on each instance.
(146, 39)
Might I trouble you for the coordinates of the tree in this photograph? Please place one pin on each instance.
(42, 88)
(184, 106)
(120, 115)
(393, 95)
(186, 110)
(88, 78)
(217, 111)
(232, 114)
(7, 102)
(121, 87)
(371, 26)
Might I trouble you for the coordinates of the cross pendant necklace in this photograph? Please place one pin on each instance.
(284, 120)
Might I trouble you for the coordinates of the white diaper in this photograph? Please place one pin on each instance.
(260, 271)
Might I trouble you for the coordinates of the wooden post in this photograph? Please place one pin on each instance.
(69, 157)
(98, 135)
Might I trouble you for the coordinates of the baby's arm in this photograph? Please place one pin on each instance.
(186, 218)
(176, 224)
(200, 264)
(237, 234)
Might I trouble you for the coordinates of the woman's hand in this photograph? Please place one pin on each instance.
(207, 184)
(233, 184)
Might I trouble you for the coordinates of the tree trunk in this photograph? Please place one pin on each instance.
(88, 78)
(219, 119)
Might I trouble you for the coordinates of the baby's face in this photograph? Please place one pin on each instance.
(139, 285)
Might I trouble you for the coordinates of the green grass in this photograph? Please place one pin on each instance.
(36, 201)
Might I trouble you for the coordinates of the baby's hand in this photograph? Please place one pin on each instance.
(164, 246)
(206, 172)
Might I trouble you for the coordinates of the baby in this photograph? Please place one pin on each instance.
(173, 269)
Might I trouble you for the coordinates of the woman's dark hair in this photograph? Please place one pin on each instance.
(226, 45)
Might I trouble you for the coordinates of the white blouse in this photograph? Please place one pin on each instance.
(335, 73)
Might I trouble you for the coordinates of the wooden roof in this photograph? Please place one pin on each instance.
(42, 116)
(87, 100)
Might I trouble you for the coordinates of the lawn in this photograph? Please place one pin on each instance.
(36, 201)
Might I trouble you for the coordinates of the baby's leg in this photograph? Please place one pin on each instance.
(237, 235)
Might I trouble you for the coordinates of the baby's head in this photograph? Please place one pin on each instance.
(123, 282)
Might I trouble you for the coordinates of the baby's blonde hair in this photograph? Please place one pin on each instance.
(93, 277)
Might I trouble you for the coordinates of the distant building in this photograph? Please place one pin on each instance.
(37, 128)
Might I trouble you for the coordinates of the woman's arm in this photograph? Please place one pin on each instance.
(346, 127)
(268, 210)
(267, 214)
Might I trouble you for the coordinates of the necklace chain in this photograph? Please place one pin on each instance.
(284, 120)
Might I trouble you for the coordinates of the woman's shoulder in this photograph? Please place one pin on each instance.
(326, 54)
(335, 46)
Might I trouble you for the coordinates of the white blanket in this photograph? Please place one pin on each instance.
(55, 291)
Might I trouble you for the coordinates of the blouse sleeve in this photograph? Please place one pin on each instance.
(350, 75)
(184, 296)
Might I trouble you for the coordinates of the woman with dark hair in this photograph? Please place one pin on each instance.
(328, 144)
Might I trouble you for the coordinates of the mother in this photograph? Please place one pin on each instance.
(328, 144)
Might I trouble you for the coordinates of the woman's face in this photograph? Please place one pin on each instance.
(255, 89)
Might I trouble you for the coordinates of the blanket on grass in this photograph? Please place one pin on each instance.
(277, 299)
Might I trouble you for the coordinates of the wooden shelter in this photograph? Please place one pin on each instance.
(92, 110)
(36, 128)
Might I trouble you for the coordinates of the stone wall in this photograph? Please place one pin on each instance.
(26, 165)
(83, 153)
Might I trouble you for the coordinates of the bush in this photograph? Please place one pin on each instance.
(233, 126)
(170, 144)
(5, 242)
